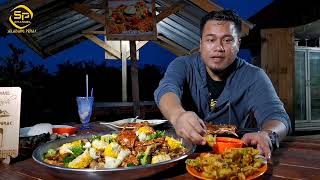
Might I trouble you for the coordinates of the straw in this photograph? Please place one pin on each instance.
(87, 85)
(91, 92)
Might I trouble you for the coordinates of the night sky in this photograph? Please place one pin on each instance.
(150, 54)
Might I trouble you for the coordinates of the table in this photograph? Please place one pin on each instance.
(297, 158)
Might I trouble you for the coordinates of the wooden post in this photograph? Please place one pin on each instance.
(134, 79)
(277, 59)
(124, 71)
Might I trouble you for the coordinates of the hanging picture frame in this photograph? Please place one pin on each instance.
(131, 20)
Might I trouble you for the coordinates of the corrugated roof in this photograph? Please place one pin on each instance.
(59, 26)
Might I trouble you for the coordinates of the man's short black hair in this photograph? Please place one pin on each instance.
(223, 15)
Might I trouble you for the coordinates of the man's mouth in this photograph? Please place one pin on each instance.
(217, 58)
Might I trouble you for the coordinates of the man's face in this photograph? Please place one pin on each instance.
(219, 44)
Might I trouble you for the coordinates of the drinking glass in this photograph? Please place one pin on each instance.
(85, 110)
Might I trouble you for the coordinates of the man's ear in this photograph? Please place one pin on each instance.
(200, 45)
(239, 42)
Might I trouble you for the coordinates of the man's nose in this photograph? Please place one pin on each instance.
(219, 46)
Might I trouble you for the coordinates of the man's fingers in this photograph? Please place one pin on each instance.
(265, 150)
(195, 124)
(247, 139)
(182, 133)
(202, 124)
(197, 138)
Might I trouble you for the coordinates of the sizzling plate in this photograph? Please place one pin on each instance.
(131, 172)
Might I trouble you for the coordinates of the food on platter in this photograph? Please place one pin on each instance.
(140, 146)
(134, 124)
(234, 163)
(131, 123)
(130, 17)
(221, 129)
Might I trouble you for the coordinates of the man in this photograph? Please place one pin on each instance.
(224, 88)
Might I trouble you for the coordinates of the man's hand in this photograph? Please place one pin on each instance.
(261, 140)
(189, 126)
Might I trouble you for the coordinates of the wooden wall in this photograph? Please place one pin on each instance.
(277, 59)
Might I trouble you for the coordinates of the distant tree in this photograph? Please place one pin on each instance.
(3, 30)
(149, 78)
(12, 68)
(32, 79)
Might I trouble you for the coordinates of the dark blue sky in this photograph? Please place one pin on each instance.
(150, 54)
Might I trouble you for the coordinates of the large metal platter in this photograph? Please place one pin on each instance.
(135, 172)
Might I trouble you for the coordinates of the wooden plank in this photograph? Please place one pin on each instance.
(7, 173)
(277, 59)
(97, 6)
(124, 50)
(132, 38)
(86, 11)
(134, 79)
(194, 50)
(171, 46)
(101, 43)
(116, 45)
(207, 5)
(170, 10)
(288, 171)
(297, 157)
(139, 45)
(210, 6)
(95, 32)
(301, 145)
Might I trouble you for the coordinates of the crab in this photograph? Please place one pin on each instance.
(127, 138)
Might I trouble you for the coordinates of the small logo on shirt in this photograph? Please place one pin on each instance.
(213, 104)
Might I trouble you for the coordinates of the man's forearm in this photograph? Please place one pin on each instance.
(170, 106)
(276, 126)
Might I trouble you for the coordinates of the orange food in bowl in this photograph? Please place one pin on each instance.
(223, 143)
(63, 129)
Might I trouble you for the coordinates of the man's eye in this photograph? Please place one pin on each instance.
(210, 40)
(228, 40)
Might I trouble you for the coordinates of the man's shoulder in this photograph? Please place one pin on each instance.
(188, 58)
(248, 73)
(185, 62)
(249, 69)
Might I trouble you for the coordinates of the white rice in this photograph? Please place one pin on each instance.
(40, 129)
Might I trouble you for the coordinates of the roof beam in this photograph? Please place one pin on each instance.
(210, 6)
(194, 50)
(102, 44)
(86, 11)
(95, 32)
(171, 46)
(170, 10)
(207, 5)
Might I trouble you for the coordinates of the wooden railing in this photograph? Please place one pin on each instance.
(118, 110)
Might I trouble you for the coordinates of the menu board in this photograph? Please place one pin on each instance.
(10, 103)
(131, 20)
